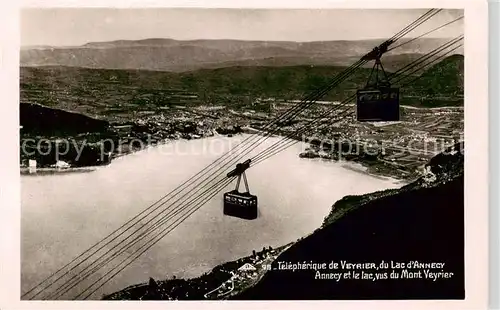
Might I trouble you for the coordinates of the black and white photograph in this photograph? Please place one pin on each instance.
(242, 154)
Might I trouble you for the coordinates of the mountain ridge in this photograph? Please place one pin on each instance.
(179, 56)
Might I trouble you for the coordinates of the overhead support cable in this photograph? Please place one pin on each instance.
(189, 185)
(294, 138)
(257, 162)
(426, 33)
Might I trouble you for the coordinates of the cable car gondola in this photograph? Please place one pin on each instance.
(238, 204)
(378, 101)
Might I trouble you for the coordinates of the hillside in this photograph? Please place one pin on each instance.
(37, 119)
(102, 91)
(99, 92)
(442, 84)
(443, 77)
(180, 56)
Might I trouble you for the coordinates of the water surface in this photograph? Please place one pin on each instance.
(64, 214)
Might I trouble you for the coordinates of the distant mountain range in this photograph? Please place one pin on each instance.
(180, 56)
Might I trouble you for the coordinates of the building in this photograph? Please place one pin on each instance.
(61, 164)
(247, 271)
(32, 166)
(247, 268)
(123, 129)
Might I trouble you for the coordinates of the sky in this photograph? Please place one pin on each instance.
(77, 26)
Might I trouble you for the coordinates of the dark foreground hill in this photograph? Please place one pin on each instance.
(420, 223)
(423, 221)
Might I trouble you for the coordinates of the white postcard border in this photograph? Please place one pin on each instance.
(476, 156)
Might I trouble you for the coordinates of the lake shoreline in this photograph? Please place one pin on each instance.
(372, 168)
(115, 193)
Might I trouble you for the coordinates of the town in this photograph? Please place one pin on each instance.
(398, 149)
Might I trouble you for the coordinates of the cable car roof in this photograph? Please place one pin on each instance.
(235, 193)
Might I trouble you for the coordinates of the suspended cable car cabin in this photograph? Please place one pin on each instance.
(240, 204)
(378, 101)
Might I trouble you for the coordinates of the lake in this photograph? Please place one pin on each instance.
(64, 214)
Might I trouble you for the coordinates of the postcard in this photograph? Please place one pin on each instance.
(328, 153)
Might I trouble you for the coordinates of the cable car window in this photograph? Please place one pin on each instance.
(371, 96)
